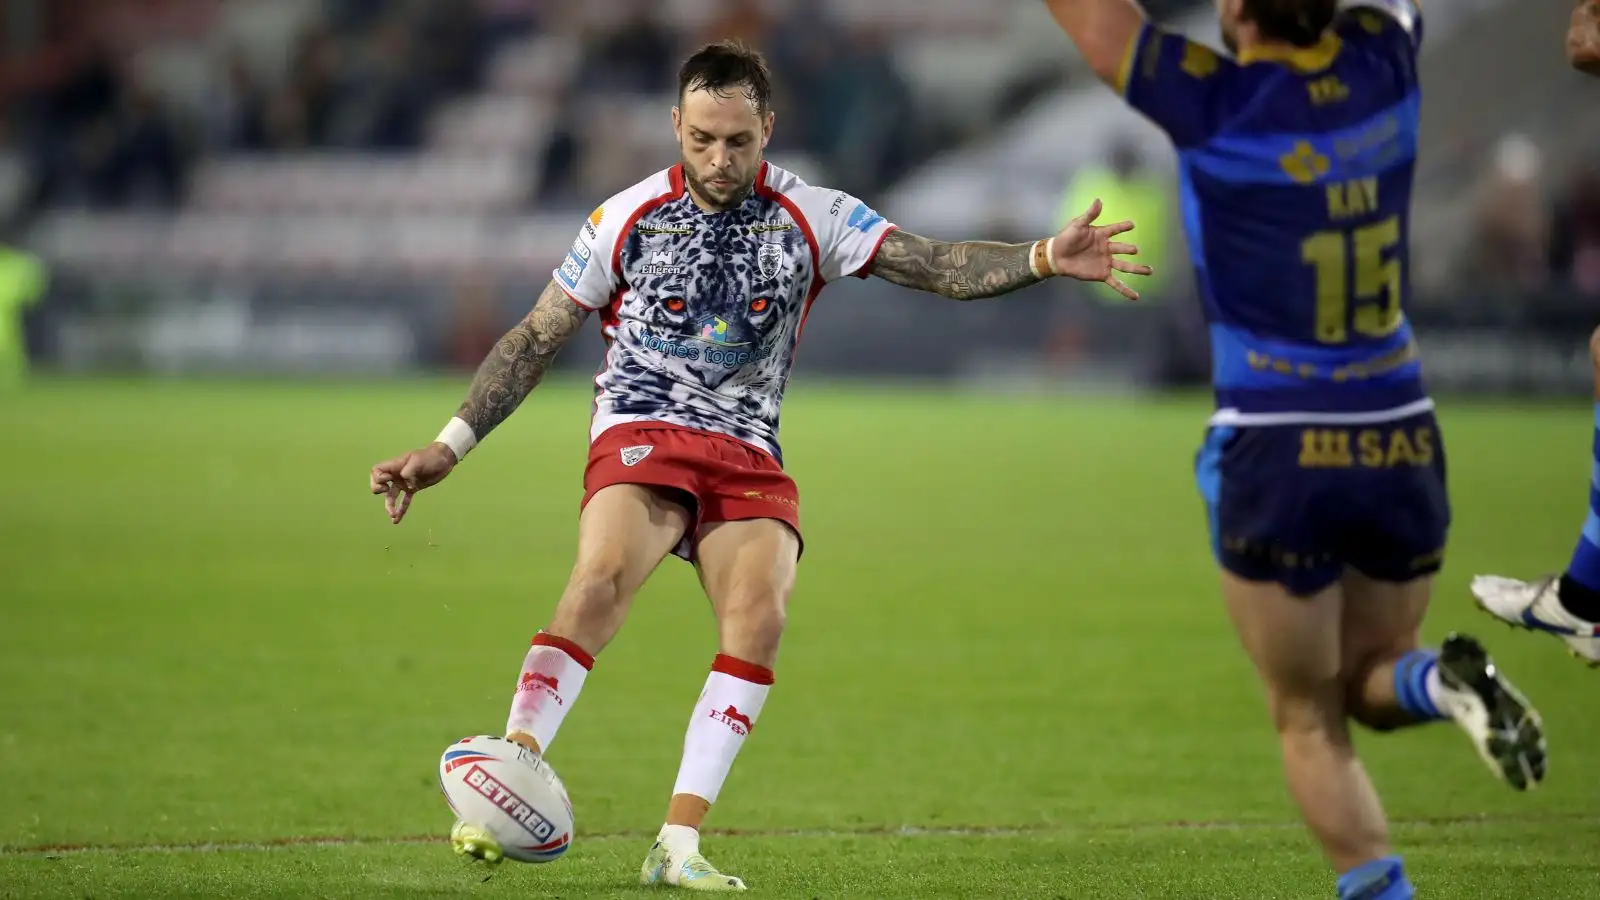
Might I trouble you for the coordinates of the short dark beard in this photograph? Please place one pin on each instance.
(699, 187)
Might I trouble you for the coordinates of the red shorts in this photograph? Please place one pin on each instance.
(726, 479)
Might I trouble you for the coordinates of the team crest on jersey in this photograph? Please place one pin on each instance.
(769, 259)
(632, 455)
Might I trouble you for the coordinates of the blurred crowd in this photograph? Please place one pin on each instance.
(1533, 229)
(366, 74)
(94, 130)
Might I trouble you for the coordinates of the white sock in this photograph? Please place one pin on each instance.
(681, 841)
(552, 675)
(723, 717)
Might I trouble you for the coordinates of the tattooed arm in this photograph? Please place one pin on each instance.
(520, 359)
(1583, 37)
(507, 375)
(969, 270)
(973, 270)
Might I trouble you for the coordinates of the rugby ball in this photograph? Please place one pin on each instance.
(506, 789)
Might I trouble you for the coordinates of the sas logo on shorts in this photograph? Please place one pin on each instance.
(863, 217)
(632, 455)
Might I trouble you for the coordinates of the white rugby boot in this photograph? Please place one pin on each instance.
(1536, 606)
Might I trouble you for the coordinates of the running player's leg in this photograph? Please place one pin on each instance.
(1294, 642)
(1393, 683)
(1279, 498)
(623, 534)
(1567, 606)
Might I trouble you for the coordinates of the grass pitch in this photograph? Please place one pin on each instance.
(1008, 672)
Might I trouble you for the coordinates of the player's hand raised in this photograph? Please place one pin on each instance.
(400, 478)
(1087, 252)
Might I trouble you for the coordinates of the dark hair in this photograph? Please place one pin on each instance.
(725, 68)
(1299, 22)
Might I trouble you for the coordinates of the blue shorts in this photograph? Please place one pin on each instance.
(1296, 504)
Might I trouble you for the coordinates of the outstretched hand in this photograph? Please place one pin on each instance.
(1086, 251)
(399, 479)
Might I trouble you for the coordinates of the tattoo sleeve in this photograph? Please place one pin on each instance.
(520, 359)
(968, 270)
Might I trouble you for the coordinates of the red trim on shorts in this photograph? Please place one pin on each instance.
(744, 671)
(866, 267)
(578, 654)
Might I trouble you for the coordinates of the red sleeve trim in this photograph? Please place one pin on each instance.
(866, 267)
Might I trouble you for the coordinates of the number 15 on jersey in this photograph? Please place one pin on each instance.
(1359, 281)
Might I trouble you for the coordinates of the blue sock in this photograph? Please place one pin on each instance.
(1585, 565)
(1381, 879)
(1411, 684)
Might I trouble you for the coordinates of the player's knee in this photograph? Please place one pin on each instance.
(752, 623)
(595, 591)
(1315, 710)
(1368, 717)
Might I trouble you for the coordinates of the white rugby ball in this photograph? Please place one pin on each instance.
(505, 788)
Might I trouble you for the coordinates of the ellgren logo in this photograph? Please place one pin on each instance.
(735, 720)
(661, 263)
(863, 218)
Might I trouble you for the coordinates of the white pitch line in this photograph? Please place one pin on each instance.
(912, 831)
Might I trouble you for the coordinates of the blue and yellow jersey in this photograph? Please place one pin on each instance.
(1296, 177)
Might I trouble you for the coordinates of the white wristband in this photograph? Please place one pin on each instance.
(1049, 257)
(459, 437)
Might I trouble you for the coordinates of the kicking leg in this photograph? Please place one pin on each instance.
(1567, 606)
(748, 570)
(1295, 645)
(624, 533)
(1393, 684)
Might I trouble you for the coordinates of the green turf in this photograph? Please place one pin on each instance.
(1006, 620)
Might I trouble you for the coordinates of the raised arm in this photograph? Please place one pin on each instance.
(974, 270)
(1104, 31)
(520, 359)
